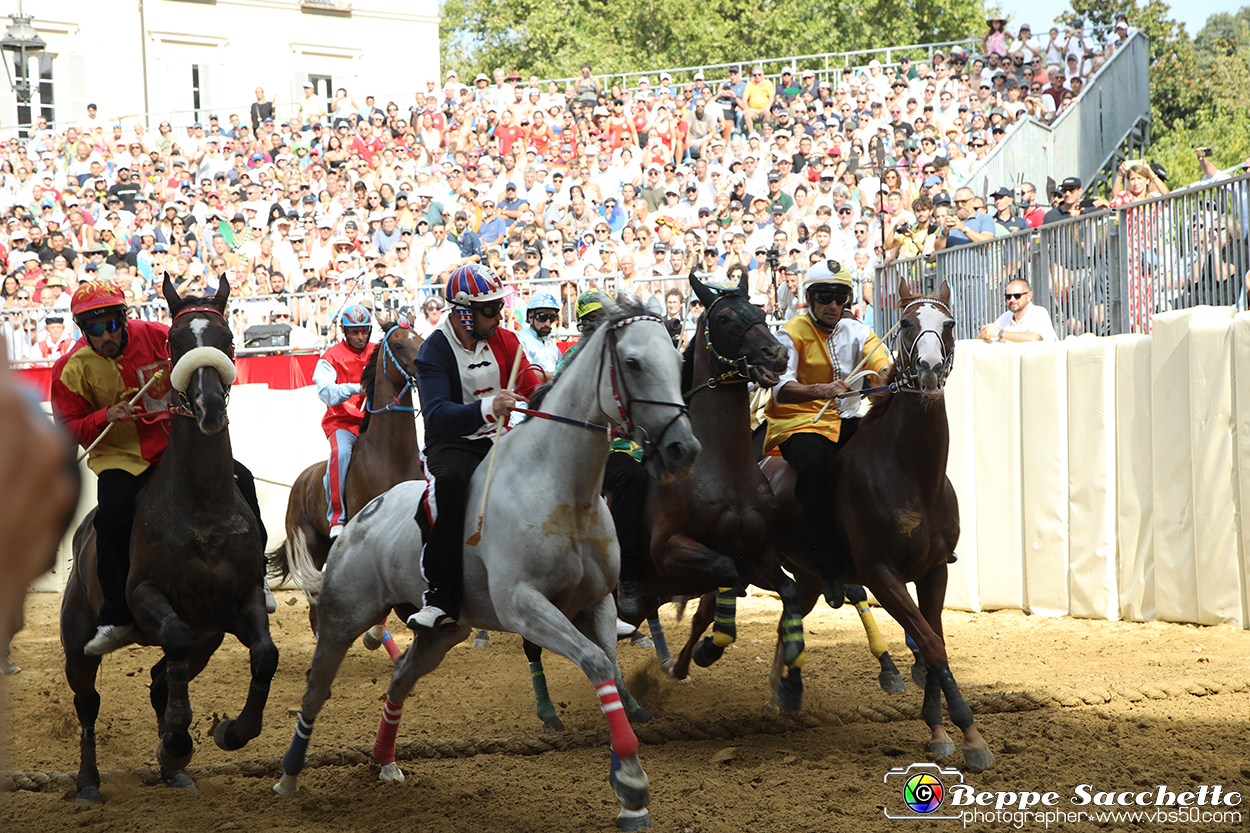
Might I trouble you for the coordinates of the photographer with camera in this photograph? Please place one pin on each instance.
(906, 240)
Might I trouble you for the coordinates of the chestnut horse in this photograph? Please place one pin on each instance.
(196, 559)
(385, 454)
(897, 518)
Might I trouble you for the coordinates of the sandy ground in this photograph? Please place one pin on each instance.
(1063, 702)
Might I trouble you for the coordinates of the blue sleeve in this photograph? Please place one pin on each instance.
(472, 245)
(983, 223)
(437, 376)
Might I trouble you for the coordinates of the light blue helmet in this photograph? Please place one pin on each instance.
(355, 315)
(543, 300)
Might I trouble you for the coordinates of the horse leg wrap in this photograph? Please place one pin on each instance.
(657, 636)
(793, 651)
(293, 760)
(931, 711)
(624, 741)
(384, 746)
(724, 625)
(541, 698)
(706, 652)
(789, 691)
(876, 642)
(960, 711)
(388, 642)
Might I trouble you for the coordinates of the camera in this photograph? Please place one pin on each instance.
(920, 792)
(773, 257)
(1203, 153)
(902, 228)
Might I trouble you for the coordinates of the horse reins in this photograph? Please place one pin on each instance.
(409, 380)
(183, 408)
(909, 379)
(620, 387)
(739, 370)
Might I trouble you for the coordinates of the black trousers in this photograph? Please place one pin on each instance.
(451, 464)
(626, 478)
(811, 457)
(117, 492)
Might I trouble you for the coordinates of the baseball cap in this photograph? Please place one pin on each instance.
(932, 180)
(1002, 192)
(1072, 182)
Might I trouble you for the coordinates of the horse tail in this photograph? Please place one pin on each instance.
(276, 564)
(301, 567)
(681, 602)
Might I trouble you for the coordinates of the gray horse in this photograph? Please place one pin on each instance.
(547, 558)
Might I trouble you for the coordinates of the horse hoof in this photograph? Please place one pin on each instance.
(641, 715)
(707, 652)
(640, 641)
(226, 738)
(667, 666)
(372, 639)
(288, 785)
(632, 789)
(391, 772)
(89, 795)
(180, 781)
(918, 674)
(481, 640)
(941, 747)
(633, 820)
(979, 760)
(168, 762)
(552, 724)
(892, 683)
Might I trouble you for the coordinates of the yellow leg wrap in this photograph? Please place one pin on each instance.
(721, 639)
(876, 642)
(798, 661)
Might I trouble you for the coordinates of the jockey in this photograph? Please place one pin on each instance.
(462, 377)
(625, 477)
(825, 345)
(540, 348)
(91, 390)
(337, 377)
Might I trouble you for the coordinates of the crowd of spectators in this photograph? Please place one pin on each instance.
(559, 188)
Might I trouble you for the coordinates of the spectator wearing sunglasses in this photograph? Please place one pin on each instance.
(541, 314)
(1023, 321)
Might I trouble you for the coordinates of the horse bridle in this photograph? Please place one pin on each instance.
(620, 390)
(738, 369)
(909, 374)
(410, 381)
(183, 408)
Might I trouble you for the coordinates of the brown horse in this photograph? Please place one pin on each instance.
(897, 519)
(196, 559)
(714, 530)
(386, 454)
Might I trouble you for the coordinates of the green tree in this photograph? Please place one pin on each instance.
(551, 38)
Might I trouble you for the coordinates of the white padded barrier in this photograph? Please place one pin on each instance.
(1211, 441)
(996, 376)
(962, 590)
(1241, 459)
(1092, 582)
(1135, 476)
(1044, 474)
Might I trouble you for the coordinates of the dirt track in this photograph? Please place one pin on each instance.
(1062, 702)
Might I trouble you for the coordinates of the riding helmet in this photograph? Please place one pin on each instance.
(826, 273)
(94, 297)
(475, 283)
(355, 315)
(543, 300)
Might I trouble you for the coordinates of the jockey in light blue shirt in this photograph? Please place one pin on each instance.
(541, 314)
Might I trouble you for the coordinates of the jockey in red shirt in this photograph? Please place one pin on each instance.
(462, 378)
(337, 377)
(91, 391)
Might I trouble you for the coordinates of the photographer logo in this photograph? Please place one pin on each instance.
(919, 791)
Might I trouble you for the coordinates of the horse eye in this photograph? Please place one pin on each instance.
(908, 323)
(948, 324)
(633, 364)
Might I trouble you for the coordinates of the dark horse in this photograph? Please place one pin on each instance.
(897, 518)
(196, 559)
(386, 454)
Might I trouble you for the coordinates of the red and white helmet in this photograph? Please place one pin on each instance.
(475, 283)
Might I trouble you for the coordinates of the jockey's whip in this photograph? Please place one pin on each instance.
(859, 367)
(133, 400)
(476, 537)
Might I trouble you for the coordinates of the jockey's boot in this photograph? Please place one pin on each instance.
(433, 618)
(7, 668)
(109, 638)
(629, 599)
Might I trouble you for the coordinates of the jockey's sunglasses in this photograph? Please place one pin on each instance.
(544, 317)
(489, 310)
(99, 328)
(827, 296)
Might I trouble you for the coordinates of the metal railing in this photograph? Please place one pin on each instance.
(1105, 272)
(827, 66)
(1085, 137)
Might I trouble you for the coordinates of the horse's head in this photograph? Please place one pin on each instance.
(398, 353)
(645, 381)
(201, 349)
(736, 334)
(926, 340)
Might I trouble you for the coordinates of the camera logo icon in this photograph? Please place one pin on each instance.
(919, 791)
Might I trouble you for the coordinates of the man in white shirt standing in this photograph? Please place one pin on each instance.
(1023, 321)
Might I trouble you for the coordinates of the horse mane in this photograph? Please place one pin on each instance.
(368, 380)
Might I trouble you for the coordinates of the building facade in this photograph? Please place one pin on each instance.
(184, 60)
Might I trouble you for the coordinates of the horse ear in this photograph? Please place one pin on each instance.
(903, 293)
(701, 291)
(609, 306)
(222, 295)
(172, 298)
(743, 289)
(944, 294)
